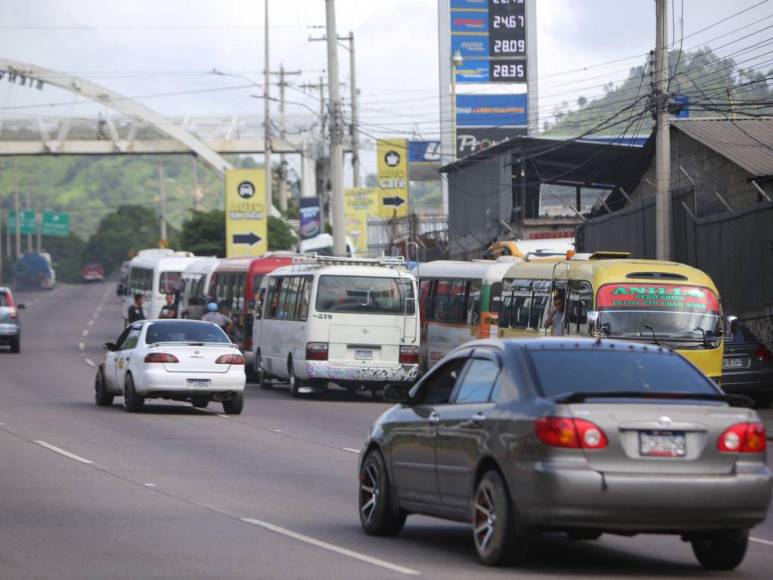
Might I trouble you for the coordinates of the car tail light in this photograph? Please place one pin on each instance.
(762, 354)
(743, 438)
(161, 357)
(316, 351)
(570, 433)
(230, 359)
(409, 355)
(12, 313)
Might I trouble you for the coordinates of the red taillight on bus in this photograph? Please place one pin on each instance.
(570, 433)
(161, 357)
(230, 359)
(762, 354)
(409, 355)
(743, 438)
(316, 351)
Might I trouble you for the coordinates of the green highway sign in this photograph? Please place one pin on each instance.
(26, 222)
(55, 224)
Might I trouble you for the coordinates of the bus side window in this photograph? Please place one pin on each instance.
(425, 291)
(456, 302)
(578, 304)
(442, 299)
(473, 303)
(275, 291)
(304, 297)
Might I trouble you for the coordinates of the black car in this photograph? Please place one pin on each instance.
(748, 367)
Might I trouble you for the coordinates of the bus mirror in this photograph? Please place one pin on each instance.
(593, 321)
(731, 326)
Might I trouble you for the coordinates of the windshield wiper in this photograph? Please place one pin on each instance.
(652, 330)
(580, 397)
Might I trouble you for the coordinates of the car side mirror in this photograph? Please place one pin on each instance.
(21, 307)
(731, 326)
(111, 346)
(397, 394)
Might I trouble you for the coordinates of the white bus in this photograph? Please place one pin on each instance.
(196, 276)
(351, 322)
(322, 245)
(154, 274)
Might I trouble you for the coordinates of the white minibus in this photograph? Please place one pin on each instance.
(196, 277)
(348, 321)
(154, 274)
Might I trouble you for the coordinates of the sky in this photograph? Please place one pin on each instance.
(163, 52)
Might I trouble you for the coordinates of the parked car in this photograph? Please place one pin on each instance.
(747, 367)
(181, 360)
(10, 325)
(93, 273)
(574, 435)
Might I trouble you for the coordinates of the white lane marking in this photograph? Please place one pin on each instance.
(149, 484)
(350, 449)
(761, 541)
(2, 424)
(223, 416)
(332, 547)
(90, 362)
(91, 322)
(276, 430)
(99, 309)
(85, 332)
(81, 346)
(61, 451)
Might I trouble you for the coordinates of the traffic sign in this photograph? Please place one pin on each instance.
(55, 224)
(393, 181)
(26, 222)
(395, 201)
(246, 213)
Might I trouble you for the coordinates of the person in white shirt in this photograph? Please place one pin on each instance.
(555, 321)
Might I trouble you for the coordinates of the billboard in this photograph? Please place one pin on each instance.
(491, 111)
(246, 213)
(471, 140)
(359, 203)
(392, 169)
(311, 217)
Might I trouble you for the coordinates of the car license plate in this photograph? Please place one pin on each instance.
(735, 363)
(363, 355)
(199, 383)
(662, 444)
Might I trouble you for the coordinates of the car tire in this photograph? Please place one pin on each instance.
(723, 551)
(378, 517)
(101, 397)
(234, 405)
(132, 402)
(200, 402)
(260, 374)
(495, 532)
(16, 345)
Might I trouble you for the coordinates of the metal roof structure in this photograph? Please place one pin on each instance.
(746, 142)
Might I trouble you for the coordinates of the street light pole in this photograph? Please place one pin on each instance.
(267, 112)
(662, 137)
(336, 134)
(456, 61)
(162, 243)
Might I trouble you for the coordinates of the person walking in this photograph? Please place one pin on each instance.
(136, 312)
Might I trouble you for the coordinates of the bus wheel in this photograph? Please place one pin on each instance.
(292, 380)
(260, 373)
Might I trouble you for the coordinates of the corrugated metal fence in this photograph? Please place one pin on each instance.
(735, 249)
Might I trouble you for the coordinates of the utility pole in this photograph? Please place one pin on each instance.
(354, 129)
(17, 210)
(321, 164)
(267, 112)
(336, 134)
(162, 243)
(39, 230)
(282, 160)
(662, 137)
(196, 192)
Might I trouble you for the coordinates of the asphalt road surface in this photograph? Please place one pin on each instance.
(96, 492)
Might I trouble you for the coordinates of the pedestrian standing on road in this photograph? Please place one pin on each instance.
(214, 315)
(136, 312)
(169, 310)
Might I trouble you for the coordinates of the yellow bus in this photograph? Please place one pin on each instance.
(606, 294)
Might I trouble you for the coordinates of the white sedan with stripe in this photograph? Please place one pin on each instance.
(180, 360)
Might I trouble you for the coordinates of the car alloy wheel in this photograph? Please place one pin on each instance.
(495, 533)
(378, 517)
(485, 519)
(132, 402)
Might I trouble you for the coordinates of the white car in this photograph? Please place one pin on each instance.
(181, 360)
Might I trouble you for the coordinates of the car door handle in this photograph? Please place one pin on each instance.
(433, 418)
(474, 422)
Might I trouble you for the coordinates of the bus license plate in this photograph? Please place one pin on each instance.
(363, 355)
(662, 444)
(199, 383)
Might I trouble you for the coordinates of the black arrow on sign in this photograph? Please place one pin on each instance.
(396, 201)
(251, 239)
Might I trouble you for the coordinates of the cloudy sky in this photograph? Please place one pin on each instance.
(162, 51)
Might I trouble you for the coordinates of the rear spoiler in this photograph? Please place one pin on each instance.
(580, 397)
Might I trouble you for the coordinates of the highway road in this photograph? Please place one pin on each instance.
(88, 492)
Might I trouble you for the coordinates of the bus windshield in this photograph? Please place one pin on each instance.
(660, 311)
(366, 295)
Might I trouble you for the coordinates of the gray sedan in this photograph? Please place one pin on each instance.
(576, 436)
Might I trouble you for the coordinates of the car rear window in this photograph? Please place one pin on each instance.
(563, 371)
(184, 332)
(5, 299)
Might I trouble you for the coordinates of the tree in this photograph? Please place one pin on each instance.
(280, 234)
(122, 233)
(204, 233)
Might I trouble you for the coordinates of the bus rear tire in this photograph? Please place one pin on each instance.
(293, 381)
(260, 374)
